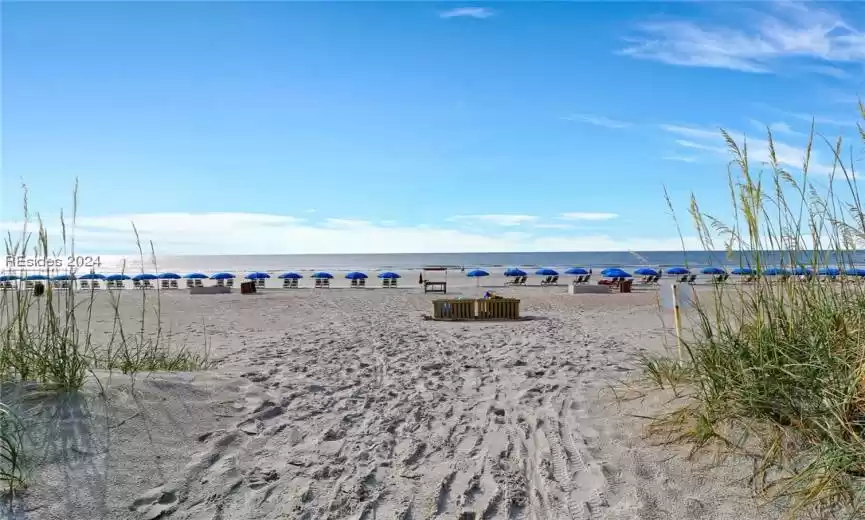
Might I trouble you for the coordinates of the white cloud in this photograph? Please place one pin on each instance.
(581, 215)
(553, 226)
(468, 12)
(605, 122)
(241, 233)
(777, 128)
(758, 43)
(681, 158)
(499, 220)
(786, 154)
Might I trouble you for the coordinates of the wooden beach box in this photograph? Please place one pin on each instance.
(498, 309)
(454, 309)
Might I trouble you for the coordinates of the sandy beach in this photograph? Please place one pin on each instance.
(341, 403)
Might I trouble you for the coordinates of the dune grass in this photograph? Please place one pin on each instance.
(776, 368)
(47, 339)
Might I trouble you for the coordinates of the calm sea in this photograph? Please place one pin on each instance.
(272, 263)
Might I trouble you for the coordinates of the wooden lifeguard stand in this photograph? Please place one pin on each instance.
(437, 286)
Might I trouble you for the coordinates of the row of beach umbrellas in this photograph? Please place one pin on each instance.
(354, 275)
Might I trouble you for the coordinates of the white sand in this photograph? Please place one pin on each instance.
(347, 404)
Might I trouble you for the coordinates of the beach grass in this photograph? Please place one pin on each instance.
(47, 339)
(775, 369)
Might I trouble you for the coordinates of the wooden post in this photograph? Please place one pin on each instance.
(677, 320)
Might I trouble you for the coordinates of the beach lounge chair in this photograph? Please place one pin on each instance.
(259, 283)
(319, 282)
(173, 284)
(118, 285)
(294, 283)
(108, 284)
(6, 285)
(326, 283)
(546, 280)
(361, 283)
(190, 283)
(354, 284)
(85, 284)
(199, 283)
(554, 280)
(163, 284)
(220, 283)
(286, 283)
(136, 284)
(229, 282)
(514, 281)
(692, 279)
(147, 284)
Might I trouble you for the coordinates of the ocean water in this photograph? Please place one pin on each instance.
(409, 262)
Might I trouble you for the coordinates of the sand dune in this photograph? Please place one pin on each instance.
(347, 404)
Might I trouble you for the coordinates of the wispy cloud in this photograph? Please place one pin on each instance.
(468, 12)
(496, 219)
(247, 233)
(787, 155)
(681, 158)
(758, 42)
(776, 128)
(582, 215)
(606, 122)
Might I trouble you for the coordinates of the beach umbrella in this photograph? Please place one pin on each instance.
(775, 271)
(614, 272)
(829, 271)
(477, 273)
(8, 278)
(322, 274)
(547, 272)
(32, 277)
(257, 276)
(195, 276)
(678, 270)
(855, 271)
(576, 270)
(389, 275)
(92, 276)
(713, 270)
(800, 271)
(513, 271)
(143, 276)
(356, 275)
(63, 277)
(290, 276)
(222, 276)
(739, 271)
(117, 277)
(646, 271)
(168, 276)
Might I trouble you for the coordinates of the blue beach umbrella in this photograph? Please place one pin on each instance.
(8, 278)
(742, 271)
(615, 272)
(576, 270)
(476, 273)
(290, 276)
(799, 271)
(143, 276)
(646, 271)
(546, 272)
(855, 271)
(63, 277)
(92, 276)
(257, 276)
(775, 271)
(195, 276)
(31, 277)
(829, 271)
(356, 275)
(222, 276)
(713, 270)
(678, 270)
(168, 276)
(117, 277)
(322, 274)
(515, 272)
(388, 275)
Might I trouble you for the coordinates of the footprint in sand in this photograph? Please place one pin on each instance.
(156, 503)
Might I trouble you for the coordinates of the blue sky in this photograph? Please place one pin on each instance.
(407, 127)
